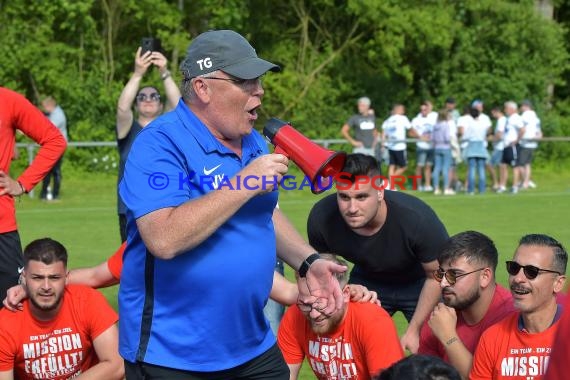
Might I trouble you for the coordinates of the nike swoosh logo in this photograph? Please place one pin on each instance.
(20, 270)
(208, 172)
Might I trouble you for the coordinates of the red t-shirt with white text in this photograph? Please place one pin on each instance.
(364, 343)
(58, 349)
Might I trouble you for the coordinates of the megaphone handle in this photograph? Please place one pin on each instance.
(279, 150)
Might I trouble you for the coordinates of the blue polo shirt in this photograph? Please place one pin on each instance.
(202, 310)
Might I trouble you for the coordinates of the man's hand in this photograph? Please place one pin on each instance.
(14, 297)
(410, 340)
(323, 285)
(264, 174)
(362, 294)
(9, 186)
(443, 322)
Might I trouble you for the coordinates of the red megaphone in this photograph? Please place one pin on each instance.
(318, 163)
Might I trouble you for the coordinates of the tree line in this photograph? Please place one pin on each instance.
(331, 52)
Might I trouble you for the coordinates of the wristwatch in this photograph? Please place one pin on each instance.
(307, 263)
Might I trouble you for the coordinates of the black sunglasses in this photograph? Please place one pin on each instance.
(450, 275)
(530, 271)
(154, 97)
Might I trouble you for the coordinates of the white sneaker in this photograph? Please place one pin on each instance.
(428, 188)
(449, 192)
(501, 189)
(532, 185)
(515, 190)
(437, 192)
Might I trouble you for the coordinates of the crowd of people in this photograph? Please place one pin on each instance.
(446, 139)
(197, 265)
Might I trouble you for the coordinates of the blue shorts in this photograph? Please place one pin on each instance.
(496, 157)
(424, 157)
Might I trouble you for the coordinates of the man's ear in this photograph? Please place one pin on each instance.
(346, 293)
(559, 284)
(201, 89)
(486, 277)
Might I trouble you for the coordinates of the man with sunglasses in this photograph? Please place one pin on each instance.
(148, 106)
(356, 341)
(519, 346)
(198, 266)
(472, 300)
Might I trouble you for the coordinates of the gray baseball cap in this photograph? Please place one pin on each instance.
(224, 50)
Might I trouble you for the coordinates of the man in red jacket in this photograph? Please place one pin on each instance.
(17, 113)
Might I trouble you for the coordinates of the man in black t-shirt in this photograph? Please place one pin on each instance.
(392, 238)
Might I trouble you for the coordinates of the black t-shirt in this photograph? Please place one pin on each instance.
(124, 146)
(411, 235)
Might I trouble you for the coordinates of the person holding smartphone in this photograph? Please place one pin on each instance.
(148, 105)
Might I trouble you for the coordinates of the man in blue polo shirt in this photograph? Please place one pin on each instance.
(203, 229)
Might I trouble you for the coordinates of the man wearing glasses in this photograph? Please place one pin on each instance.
(472, 300)
(198, 266)
(519, 346)
(148, 106)
(355, 342)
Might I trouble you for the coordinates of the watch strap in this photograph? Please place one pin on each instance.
(304, 268)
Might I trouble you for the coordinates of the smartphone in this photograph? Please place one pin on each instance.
(150, 44)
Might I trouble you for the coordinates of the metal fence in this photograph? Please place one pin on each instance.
(31, 146)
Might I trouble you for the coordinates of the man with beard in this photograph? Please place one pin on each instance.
(63, 331)
(356, 341)
(519, 346)
(393, 239)
(472, 300)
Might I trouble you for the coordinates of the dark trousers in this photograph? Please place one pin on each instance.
(267, 366)
(394, 297)
(56, 173)
(11, 261)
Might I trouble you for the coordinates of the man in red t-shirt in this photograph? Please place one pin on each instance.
(63, 331)
(518, 347)
(17, 113)
(472, 300)
(108, 273)
(356, 342)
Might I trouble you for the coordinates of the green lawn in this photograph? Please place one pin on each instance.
(85, 221)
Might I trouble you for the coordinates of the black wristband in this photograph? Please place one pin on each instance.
(307, 263)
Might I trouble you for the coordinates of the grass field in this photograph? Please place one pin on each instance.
(85, 221)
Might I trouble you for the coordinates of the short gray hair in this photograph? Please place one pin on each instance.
(365, 100)
(188, 93)
(511, 104)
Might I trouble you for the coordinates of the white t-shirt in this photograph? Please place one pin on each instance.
(424, 126)
(512, 127)
(395, 128)
(531, 124)
(464, 122)
(477, 130)
(500, 127)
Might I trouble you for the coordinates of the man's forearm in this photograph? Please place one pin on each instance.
(102, 370)
(170, 232)
(458, 355)
(429, 297)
